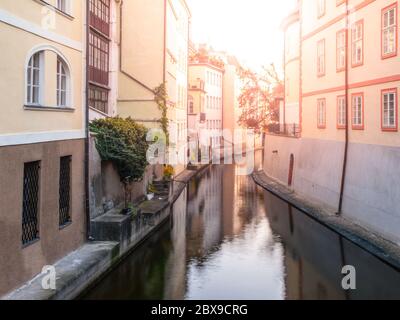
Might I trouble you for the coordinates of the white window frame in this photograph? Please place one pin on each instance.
(389, 31)
(321, 113)
(321, 66)
(62, 66)
(64, 6)
(341, 111)
(321, 8)
(389, 100)
(357, 43)
(29, 87)
(357, 112)
(341, 50)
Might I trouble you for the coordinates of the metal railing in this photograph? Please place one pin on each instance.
(287, 130)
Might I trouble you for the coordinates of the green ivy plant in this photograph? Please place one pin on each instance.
(161, 98)
(123, 142)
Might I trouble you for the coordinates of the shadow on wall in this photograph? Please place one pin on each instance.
(371, 193)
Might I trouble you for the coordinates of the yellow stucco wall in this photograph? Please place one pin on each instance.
(16, 46)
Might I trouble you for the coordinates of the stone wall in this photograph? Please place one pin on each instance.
(106, 188)
(371, 191)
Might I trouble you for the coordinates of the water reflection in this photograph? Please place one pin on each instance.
(315, 256)
(228, 239)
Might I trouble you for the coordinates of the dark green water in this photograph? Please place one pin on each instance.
(229, 239)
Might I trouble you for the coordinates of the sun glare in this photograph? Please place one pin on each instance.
(250, 29)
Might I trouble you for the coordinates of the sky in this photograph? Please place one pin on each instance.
(249, 29)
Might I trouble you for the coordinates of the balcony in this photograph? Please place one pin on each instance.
(286, 130)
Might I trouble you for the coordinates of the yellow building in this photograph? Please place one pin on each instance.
(42, 135)
(342, 76)
(154, 42)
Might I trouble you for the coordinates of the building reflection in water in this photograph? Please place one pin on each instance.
(232, 252)
(228, 239)
(315, 256)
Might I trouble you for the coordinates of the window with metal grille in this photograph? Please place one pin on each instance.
(98, 98)
(100, 15)
(65, 191)
(30, 205)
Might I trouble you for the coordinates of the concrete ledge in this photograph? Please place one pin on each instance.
(73, 273)
(383, 249)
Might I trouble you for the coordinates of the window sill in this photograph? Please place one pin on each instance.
(31, 243)
(46, 108)
(65, 226)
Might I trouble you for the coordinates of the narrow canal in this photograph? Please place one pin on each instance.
(229, 239)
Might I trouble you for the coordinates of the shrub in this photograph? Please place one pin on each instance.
(123, 142)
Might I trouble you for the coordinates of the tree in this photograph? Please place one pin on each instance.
(258, 97)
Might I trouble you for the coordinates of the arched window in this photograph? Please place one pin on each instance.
(62, 83)
(34, 79)
(44, 62)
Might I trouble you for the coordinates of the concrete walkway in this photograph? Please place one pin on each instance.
(82, 268)
(376, 245)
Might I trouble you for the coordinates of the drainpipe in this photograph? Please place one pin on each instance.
(87, 133)
(346, 149)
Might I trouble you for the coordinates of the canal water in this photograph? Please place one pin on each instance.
(229, 239)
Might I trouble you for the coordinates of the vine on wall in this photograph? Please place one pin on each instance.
(123, 142)
(161, 98)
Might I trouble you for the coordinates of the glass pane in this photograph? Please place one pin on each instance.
(35, 98)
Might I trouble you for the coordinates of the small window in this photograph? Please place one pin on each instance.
(358, 111)
(341, 112)
(321, 104)
(62, 83)
(30, 203)
(65, 191)
(389, 110)
(321, 8)
(62, 5)
(34, 79)
(389, 31)
(357, 40)
(321, 58)
(341, 50)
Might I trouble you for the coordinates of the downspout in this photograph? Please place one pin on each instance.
(165, 42)
(187, 95)
(87, 133)
(346, 149)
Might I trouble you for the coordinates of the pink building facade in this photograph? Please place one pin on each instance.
(342, 79)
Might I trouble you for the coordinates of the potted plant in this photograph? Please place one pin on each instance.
(151, 190)
(168, 173)
(168, 176)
